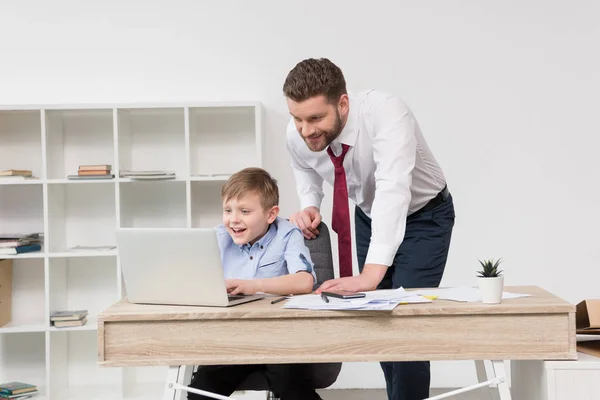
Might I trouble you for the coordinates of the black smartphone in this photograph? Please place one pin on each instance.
(344, 294)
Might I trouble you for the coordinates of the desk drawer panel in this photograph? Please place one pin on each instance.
(242, 341)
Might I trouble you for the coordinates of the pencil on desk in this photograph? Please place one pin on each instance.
(279, 300)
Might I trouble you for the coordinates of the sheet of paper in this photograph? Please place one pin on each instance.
(464, 294)
(374, 300)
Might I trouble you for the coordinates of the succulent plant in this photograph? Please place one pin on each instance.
(490, 268)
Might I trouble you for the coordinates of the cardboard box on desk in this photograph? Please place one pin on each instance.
(5, 291)
(587, 317)
(591, 347)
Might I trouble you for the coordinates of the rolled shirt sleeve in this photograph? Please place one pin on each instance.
(297, 255)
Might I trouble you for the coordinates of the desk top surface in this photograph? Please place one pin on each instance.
(541, 302)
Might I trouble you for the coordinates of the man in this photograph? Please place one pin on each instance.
(371, 149)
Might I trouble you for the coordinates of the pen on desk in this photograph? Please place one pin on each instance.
(279, 300)
(324, 297)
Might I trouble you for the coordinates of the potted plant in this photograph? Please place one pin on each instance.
(491, 281)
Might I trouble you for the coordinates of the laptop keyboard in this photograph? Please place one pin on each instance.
(235, 297)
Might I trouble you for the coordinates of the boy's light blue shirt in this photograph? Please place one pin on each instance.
(280, 251)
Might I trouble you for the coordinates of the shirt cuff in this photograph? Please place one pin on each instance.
(381, 254)
(310, 200)
(303, 266)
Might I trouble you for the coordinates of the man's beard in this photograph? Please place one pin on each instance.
(328, 136)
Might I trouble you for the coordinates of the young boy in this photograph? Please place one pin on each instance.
(261, 252)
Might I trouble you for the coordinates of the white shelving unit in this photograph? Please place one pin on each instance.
(202, 143)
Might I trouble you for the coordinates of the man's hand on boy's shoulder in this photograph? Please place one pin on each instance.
(242, 286)
(307, 220)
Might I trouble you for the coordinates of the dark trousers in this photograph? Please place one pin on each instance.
(287, 381)
(419, 262)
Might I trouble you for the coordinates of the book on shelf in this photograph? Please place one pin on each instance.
(147, 174)
(100, 171)
(13, 242)
(20, 236)
(93, 173)
(70, 323)
(92, 248)
(68, 315)
(17, 243)
(95, 168)
(68, 318)
(16, 388)
(12, 175)
(17, 172)
(26, 248)
(22, 396)
(89, 177)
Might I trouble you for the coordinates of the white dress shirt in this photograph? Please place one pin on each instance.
(390, 170)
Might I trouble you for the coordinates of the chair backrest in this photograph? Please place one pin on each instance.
(320, 253)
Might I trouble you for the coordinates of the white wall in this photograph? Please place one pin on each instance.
(506, 94)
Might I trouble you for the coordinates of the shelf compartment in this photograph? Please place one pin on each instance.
(153, 204)
(223, 140)
(21, 142)
(152, 139)
(23, 359)
(83, 215)
(78, 137)
(82, 283)
(28, 297)
(74, 372)
(207, 206)
(22, 211)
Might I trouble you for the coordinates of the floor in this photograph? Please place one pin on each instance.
(358, 394)
(375, 394)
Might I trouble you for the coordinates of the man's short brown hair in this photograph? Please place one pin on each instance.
(315, 77)
(252, 180)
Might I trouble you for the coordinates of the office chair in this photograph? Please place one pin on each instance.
(321, 375)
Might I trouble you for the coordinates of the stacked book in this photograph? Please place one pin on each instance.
(15, 175)
(17, 390)
(68, 318)
(17, 243)
(147, 175)
(102, 171)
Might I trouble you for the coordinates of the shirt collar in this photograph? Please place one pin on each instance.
(263, 241)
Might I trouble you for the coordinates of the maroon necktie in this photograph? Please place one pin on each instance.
(340, 221)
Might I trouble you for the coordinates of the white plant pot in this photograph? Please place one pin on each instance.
(491, 289)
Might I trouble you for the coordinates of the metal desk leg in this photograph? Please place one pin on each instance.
(482, 376)
(498, 378)
(500, 372)
(178, 378)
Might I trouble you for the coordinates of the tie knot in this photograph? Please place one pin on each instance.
(338, 161)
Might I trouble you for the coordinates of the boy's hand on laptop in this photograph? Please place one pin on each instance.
(307, 220)
(242, 286)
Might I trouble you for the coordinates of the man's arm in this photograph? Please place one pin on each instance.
(309, 186)
(394, 152)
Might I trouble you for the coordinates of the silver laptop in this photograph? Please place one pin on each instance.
(174, 266)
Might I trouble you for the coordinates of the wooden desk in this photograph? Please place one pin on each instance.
(540, 327)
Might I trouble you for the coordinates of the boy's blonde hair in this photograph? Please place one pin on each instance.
(252, 180)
